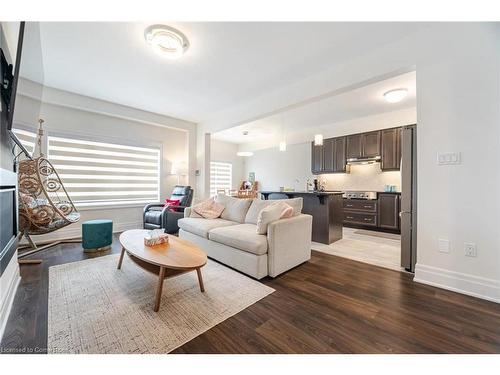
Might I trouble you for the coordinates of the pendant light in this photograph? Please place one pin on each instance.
(318, 138)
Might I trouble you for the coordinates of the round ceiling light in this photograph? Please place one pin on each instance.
(395, 96)
(166, 41)
(244, 153)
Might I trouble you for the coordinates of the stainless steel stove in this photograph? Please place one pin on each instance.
(367, 195)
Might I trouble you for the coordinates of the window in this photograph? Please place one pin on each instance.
(27, 139)
(221, 175)
(96, 173)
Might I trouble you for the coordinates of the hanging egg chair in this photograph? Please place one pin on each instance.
(44, 203)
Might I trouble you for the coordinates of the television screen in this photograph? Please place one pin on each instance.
(25, 105)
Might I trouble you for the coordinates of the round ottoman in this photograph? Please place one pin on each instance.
(97, 235)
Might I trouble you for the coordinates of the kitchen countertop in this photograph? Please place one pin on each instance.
(301, 192)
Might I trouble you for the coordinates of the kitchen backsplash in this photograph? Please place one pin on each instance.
(367, 177)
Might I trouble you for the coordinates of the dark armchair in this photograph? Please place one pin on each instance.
(156, 216)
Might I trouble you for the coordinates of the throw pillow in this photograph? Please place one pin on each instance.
(235, 209)
(287, 212)
(172, 202)
(208, 209)
(272, 213)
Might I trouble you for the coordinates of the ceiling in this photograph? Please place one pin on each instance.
(305, 120)
(227, 63)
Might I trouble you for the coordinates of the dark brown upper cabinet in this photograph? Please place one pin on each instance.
(370, 143)
(354, 148)
(329, 155)
(339, 158)
(364, 145)
(391, 149)
(316, 159)
(329, 158)
(388, 211)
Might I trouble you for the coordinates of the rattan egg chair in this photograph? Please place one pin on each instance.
(44, 203)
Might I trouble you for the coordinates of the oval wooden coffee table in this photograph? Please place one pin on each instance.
(176, 257)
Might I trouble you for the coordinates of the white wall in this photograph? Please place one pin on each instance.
(458, 96)
(458, 83)
(274, 169)
(70, 114)
(226, 152)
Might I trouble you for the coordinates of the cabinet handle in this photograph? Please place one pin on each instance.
(368, 206)
(348, 205)
(350, 217)
(367, 219)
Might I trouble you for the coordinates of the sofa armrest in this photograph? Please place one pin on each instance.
(151, 205)
(187, 211)
(289, 243)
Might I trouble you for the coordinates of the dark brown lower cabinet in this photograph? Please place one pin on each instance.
(381, 214)
(388, 211)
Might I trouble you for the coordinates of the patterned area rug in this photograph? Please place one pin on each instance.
(95, 308)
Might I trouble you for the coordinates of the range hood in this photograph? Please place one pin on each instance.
(364, 160)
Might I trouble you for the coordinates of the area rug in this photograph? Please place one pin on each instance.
(95, 308)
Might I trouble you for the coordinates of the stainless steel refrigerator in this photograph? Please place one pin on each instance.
(408, 205)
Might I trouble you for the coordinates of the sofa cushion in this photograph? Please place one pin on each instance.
(242, 236)
(259, 204)
(200, 226)
(235, 209)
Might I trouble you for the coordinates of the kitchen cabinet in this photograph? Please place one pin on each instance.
(354, 149)
(375, 214)
(360, 212)
(370, 143)
(316, 159)
(339, 159)
(388, 211)
(391, 149)
(330, 157)
(364, 145)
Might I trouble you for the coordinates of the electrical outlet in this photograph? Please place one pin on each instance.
(443, 245)
(470, 249)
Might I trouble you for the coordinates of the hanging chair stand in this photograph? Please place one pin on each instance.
(44, 203)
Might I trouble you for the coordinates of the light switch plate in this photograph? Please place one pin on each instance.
(449, 158)
(443, 245)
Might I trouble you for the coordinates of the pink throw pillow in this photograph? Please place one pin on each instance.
(287, 212)
(208, 209)
(172, 202)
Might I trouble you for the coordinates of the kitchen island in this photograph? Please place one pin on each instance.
(324, 206)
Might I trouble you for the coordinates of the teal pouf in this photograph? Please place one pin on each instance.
(97, 235)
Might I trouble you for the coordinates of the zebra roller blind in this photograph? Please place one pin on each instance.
(221, 175)
(96, 173)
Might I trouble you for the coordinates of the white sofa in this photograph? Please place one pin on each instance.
(232, 239)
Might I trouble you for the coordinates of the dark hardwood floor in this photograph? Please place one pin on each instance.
(328, 305)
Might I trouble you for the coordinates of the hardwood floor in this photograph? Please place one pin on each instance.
(328, 305)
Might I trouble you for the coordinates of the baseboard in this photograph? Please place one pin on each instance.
(475, 286)
(6, 304)
(76, 231)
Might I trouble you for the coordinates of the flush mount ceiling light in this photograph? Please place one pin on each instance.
(166, 41)
(244, 153)
(395, 96)
(318, 139)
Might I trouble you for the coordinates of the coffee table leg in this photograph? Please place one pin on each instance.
(121, 258)
(161, 277)
(200, 279)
